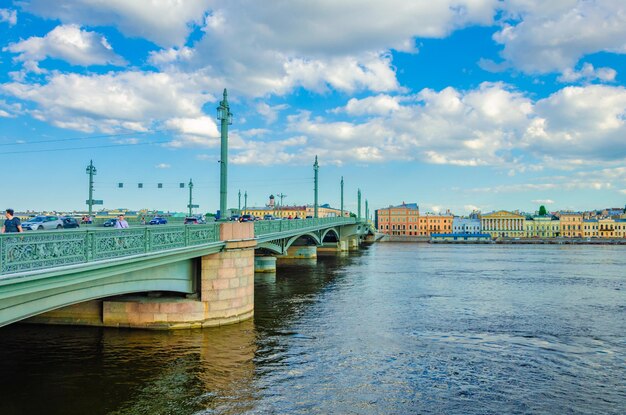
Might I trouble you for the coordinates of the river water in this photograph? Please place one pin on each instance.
(393, 329)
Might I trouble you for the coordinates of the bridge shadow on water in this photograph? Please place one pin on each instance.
(86, 370)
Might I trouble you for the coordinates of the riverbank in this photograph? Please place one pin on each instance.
(510, 241)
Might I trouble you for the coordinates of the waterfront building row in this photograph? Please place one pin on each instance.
(406, 220)
(292, 212)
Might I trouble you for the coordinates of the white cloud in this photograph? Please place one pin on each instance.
(8, 16)
(307, 50)
(166, 23)
(162, 166)
(543, 201)
(376, 105)
(113, 101)
(588, 73)
(69, 43)
(580, 123)
(471, 128)
(553, 36)
(269, 112)
(195, 132)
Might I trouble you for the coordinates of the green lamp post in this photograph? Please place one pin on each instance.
(91, 171)
(226, 118)
(316, 168)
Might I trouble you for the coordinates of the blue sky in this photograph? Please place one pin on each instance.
(454, 104)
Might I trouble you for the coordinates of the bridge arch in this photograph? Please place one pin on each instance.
(330, 235)
(305, 239)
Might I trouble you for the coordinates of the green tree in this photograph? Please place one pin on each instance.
(542, 210)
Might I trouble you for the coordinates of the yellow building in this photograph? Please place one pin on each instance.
(606, 228)
(542, 227)
(503, 224)
(293, 212)
(571, 224)
(590, 228)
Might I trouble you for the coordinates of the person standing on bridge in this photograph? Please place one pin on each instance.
(11, 224)
(121, 223)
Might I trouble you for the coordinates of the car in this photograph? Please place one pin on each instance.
(268, 217)
(309, 217)
(235, 218)
(158, 221)
(70, 223)
(247, 218)
(192, 220)
(109, 223)
(42, 222)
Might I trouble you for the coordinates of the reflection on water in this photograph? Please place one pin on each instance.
(396, 328)
(70, 370)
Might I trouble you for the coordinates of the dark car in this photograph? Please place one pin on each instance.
(70, 223)
(158, 221)
(235, 218)
(192, 220)
(109, 223)
(247, 218)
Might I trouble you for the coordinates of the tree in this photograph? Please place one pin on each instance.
(542, 210)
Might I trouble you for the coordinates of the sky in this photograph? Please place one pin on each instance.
(453, 104)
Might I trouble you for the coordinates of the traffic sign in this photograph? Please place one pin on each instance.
(193, 206)
(94, 202)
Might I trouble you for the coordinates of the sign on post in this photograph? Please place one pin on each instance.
(94, 202)
(193, 206)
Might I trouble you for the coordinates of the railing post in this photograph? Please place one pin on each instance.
(89, 245)
(147, 239)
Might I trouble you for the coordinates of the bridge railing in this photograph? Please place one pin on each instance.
(276, 226)
(34, 250)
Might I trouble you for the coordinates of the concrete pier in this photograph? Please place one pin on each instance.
(265, 264)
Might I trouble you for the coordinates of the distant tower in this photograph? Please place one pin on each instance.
(271, 204)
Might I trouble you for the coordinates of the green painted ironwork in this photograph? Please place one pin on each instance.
(273, 227)
(32, 251)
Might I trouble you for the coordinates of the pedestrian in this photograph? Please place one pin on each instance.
(121, 223)
(143, 220)
(11, 224)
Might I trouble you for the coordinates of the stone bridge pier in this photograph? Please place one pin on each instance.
(223, 294)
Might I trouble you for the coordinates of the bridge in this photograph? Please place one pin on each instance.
(89, 277)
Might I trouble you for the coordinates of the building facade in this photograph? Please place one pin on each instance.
(571, 224)
(398, 220)
(542, 227)
(466, 225)
(431, 223)
(503, 224)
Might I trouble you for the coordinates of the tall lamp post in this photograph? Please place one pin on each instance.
(91, 171)
(342, 196)
(358, 196)
(316, 168)
(226, 118)
(239, 202)
(190, 197)
(367, 212)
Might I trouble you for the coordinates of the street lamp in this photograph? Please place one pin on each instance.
(226, 118)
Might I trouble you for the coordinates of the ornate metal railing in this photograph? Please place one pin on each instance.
(277, 226)
(34, 250)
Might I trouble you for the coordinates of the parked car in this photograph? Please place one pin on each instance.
(158, 221)
(192, 220)
(268, 217)
(109, 223)
(42, 222)
(235, 218)
(247, 218)
(70, 223)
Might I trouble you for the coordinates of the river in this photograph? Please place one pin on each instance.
(393, 329)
